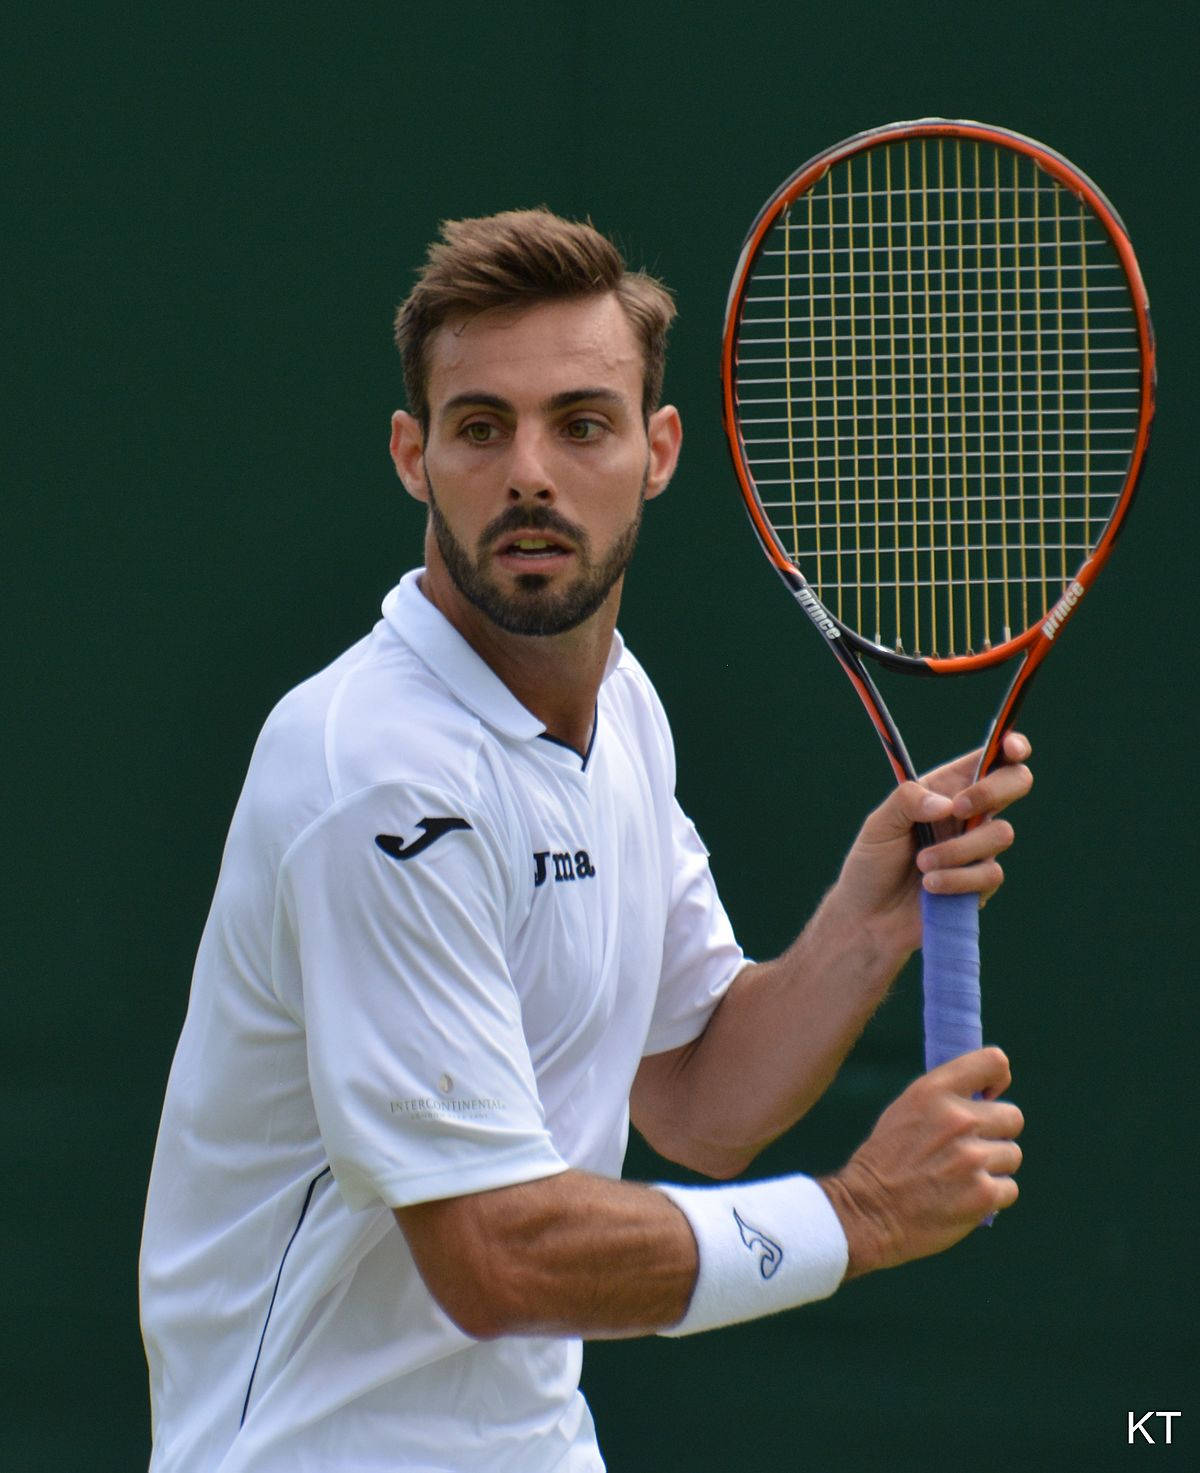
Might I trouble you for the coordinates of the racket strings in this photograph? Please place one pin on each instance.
(937, 381)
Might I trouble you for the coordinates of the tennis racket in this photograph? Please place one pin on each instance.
(938, 382)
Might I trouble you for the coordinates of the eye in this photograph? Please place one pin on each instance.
(584, 429)
(479, 432)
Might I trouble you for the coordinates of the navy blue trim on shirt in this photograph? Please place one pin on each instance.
(312, 1186)
(558, 741)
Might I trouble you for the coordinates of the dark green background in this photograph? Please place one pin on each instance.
(214, 211)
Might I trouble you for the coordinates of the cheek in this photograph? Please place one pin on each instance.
(609, 481)
(463, 486)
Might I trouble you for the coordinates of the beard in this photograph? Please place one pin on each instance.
(533, 609)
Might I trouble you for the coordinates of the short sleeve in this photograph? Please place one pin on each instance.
(392, 911)
(701, 957)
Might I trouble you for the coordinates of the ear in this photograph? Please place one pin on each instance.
(408, 454)
(665, 434)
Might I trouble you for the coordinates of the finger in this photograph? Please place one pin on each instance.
(984, 841)
(1004, 1158)
(998, 1120)
(982, 879)
(1005, 1192)
(993, 793)
(1017, 747)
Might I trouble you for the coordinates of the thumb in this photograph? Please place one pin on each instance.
(984, 1072)
(910, 804)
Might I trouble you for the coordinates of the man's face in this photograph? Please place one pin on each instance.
(536, 461)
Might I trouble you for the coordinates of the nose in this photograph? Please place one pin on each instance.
(529, 475)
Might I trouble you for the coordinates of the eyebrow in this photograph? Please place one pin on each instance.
(578, 396)
(563, 400)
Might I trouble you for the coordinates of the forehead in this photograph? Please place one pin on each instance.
(534, 352)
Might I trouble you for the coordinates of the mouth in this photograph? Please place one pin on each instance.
(526, 549)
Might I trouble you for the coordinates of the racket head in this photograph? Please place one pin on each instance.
(938, 374)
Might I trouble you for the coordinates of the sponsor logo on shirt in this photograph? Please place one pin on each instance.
(563, 864)
(434, 828)
(429, 1107)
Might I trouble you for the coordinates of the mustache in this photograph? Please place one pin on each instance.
(532, 519)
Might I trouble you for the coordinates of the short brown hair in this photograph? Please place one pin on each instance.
(520, 258)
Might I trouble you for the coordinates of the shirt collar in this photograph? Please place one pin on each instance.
(431, 636)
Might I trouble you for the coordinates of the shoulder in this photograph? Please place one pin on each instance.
(391, 719)
(379, 715)
(376, 718)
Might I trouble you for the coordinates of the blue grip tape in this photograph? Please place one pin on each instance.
(950, 948)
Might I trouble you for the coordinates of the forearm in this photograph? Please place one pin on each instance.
(574, 1254)
(773, 1045)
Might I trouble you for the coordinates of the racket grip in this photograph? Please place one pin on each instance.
(950, 956)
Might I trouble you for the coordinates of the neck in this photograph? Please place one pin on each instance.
(556, 677)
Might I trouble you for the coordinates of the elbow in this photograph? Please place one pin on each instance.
(708, 1158)
(476, 1296)
(468, 1275)
(680, 1119)
(718, 1164)
(724, 1168)
(474, 1313)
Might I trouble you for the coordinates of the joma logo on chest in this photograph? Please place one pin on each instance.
(565, 866)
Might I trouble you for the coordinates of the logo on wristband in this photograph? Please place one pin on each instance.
(770, 1254)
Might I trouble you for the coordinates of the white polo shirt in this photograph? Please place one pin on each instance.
(440, 944)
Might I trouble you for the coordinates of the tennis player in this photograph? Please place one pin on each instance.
(463, 933)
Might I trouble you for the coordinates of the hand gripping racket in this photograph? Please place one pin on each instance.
(938, 382)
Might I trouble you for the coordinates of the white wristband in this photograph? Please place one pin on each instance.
(764, 1246)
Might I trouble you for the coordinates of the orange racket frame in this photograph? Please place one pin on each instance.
(1035, 641)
